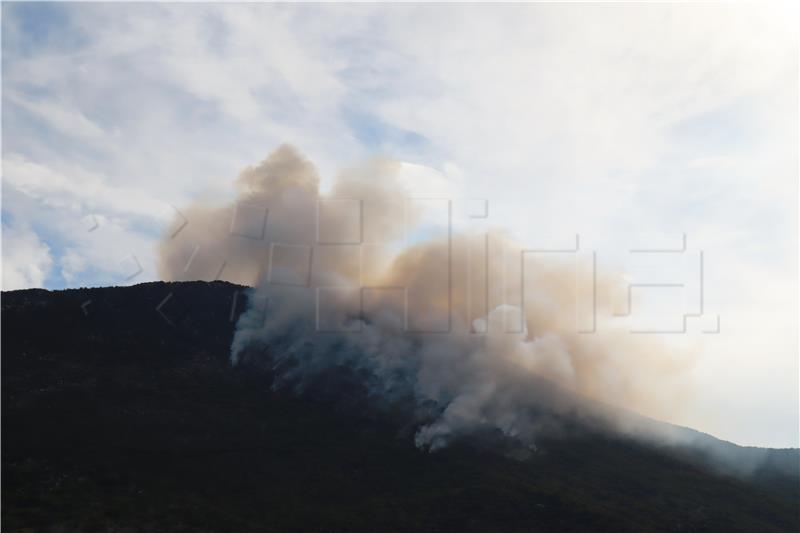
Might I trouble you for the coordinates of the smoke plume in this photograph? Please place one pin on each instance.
(367, 286)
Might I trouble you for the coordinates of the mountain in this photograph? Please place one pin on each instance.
(121, 412)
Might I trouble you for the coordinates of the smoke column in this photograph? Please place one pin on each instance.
(465, 330)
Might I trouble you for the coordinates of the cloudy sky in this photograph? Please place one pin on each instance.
(631, 125)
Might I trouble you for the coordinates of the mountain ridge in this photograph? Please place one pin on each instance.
(237, 307)
(133, 391)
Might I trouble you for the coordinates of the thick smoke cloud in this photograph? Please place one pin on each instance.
(463, 329)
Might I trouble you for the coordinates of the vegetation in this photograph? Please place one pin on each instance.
(118, 417)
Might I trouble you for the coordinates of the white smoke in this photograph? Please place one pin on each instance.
(462, 330)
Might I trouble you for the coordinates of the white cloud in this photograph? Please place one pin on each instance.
(26, 259)
(81, 191)
(61, 117)
(95, 224)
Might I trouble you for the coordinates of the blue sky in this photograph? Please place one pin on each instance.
(624, 123)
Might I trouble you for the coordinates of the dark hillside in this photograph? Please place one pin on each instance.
(124, 414)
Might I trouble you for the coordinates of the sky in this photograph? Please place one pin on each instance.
(631, 125)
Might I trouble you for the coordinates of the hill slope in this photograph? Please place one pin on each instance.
(125, 413)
